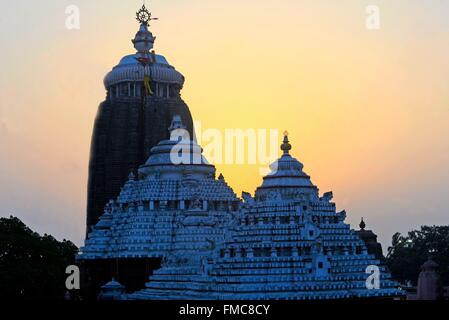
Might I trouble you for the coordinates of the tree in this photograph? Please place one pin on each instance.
(32, 266)
(408, 253)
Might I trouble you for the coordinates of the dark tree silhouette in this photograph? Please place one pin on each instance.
(32, 266)
(408, 253)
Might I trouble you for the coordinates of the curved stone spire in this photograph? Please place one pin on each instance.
(429, 282)
(131, 120)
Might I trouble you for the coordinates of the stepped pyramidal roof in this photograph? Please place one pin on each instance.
(286, 242)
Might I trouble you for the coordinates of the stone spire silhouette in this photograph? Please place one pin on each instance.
(143, 93)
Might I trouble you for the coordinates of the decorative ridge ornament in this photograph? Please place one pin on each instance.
(144, 16)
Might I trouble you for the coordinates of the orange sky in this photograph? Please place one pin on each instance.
(367, 111)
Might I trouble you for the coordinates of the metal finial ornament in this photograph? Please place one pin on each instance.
(144, 16)
(362, 225)
(286, 146)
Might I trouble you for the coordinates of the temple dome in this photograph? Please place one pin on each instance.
(129, 69)
(286, 173)
(175, 157)
(133, 67)
(429, 265)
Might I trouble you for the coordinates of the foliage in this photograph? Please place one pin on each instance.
(32, 266)
(408, 253)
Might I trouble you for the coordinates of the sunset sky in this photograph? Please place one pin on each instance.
(367, 110)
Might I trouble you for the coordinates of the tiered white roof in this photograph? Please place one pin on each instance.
(158, 211)
(286, 243)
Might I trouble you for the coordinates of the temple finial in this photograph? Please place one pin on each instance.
(176, 123)
(362, 225)
(286, 146)
(144, 39)
(144, 16)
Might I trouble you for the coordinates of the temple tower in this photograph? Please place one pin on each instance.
(286, 242)
(173, 210)
(143, 95)
(429, 282)
(370, 239)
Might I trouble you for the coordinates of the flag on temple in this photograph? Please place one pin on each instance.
(147, 84)
(144, 61)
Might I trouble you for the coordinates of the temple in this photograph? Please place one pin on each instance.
(142, 96)
(162, 225)
(286, 242)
